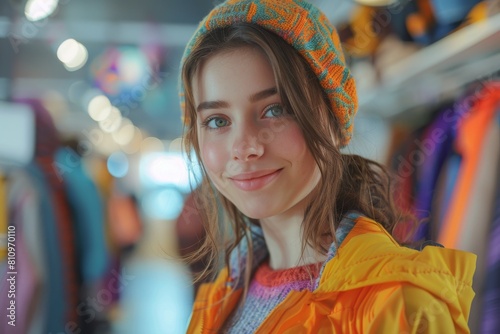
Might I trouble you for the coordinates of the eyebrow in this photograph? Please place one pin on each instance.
(211, 105)
(263, 94)
(223, 104)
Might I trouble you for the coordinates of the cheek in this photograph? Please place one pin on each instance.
(292, 141)
(213, 156)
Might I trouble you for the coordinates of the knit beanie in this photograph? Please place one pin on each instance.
(305, 28)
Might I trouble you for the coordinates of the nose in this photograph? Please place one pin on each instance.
(247, 145)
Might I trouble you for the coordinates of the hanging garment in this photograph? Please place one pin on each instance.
(23, 277)
(24, 203)
(490, 322)
(444, 190)
(56, 303)
(87, 211)
(471, 134)
(403, 167)
(435, 147)
(478, 214)
(65, 294)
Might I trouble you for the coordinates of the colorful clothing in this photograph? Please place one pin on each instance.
(371, 285)
(270, 287)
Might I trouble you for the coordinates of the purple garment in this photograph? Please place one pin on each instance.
(23, 281)
(436, 146)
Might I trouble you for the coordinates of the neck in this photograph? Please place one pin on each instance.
(283, 235)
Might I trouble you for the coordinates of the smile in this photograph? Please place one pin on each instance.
(257, 182)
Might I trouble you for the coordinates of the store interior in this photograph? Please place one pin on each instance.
(95, 187)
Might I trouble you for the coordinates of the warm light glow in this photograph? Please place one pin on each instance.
(112, 122)
(106, 145)
(99, 108)
(175, 145)
(152, 144)
(36, 10)
(125, 133)
(135, 144)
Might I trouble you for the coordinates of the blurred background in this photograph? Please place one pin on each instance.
(95, 192)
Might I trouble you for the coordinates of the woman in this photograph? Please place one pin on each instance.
(306, 240)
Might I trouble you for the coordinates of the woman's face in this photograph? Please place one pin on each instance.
(252, 149)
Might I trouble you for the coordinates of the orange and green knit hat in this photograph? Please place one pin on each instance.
(305, 28)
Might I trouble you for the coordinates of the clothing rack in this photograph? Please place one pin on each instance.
(436, 72)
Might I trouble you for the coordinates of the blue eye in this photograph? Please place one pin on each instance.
(214, 123)
(275, 110)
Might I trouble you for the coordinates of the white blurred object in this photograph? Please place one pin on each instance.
(168, 169)
(36, 10)
(99, 108)
(72, 54)
(17, 133)
(156, 297)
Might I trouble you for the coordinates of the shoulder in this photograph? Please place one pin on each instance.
(425, 288)
(370, 254)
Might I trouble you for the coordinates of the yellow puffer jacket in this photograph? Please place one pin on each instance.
(372, 285)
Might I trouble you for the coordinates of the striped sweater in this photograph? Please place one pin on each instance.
(269, 288)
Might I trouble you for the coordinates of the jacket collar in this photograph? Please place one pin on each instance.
(239, 255)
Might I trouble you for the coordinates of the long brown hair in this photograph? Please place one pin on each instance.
(349, 182)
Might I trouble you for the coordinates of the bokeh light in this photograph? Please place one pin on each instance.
(168, 169)
(112, 122)
(99, 108)
(163, 204)
(152, 144)
(72, 54)
(118, 164)
(124, 135)
(135, 144)
(36, 10)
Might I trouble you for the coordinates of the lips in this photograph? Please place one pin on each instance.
(256, 180)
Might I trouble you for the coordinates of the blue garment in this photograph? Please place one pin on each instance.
(452, 170)
(88, 215)
(57, 301)
(452, 11)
